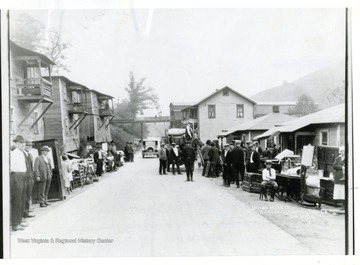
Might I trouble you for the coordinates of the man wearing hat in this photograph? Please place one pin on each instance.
(269, 176)
(205, 154)
(17, 184)
(99, 160)
(189, 159)
(162, 159)
(29, 178)
(43, 174)
(254, 160)
(174, 158)
(226, 165)
(237, 163)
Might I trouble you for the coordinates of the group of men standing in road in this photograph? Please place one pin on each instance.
(171, 155)
(24, 172)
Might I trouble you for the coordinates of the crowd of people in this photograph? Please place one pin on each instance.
(24, 172)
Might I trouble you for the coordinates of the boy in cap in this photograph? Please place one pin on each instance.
(269, 177)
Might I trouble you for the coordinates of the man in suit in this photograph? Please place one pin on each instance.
(174, 158)
(162, 160)
(43, 175)
(226, 165)
(17, 184)
(189, 159)
(29, 179)
(99, 160)
(258, 147)
(237, 162)
(205, 154)
(214, 159)
(254, 160)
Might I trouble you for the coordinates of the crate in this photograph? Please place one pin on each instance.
(252, 182)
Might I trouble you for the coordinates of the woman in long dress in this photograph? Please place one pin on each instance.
(67, 173)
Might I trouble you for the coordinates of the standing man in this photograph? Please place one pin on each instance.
(29, 179)
(247, 155)
(205, 154)
(214, 159)
(99, 160)
(237, 162)
(130, 152)
(254, 161)
(189, 159)
(258, 147)
(174, 158)
(43, 175)
(227, 165)
(17, 183)
(162, 159)
(168, 162)
(113, 150)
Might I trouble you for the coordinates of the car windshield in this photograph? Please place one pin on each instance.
(150, 143)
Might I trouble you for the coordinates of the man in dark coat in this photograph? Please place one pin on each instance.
(237, 162)
(99, 160)
(43, 174)
(214, 159)
(226, 157)
(189, 159)
(29, 179)
(174, 158)
(205, 155)
(254, 161)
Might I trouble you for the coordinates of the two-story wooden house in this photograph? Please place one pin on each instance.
(224, 108)
(95, 127)
(31, 95)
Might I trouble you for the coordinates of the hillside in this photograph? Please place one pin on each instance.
(318, 85)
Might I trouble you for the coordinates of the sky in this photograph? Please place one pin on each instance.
(186, 54)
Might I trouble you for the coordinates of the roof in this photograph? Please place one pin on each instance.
(101, 94)
(218, 91)
(20, 51)
(182, 103)
(262, 123)
(280, 103)
(70, 82)
(334, 114)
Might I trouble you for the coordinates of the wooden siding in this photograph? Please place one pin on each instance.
(21, 109)
(225, 108)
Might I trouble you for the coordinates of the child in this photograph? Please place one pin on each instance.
(198, 159)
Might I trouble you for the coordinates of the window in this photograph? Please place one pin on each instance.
(276, 109)
(12, 120)
(324, 137)
(75, 97)
(36, 126)
(239, 111)
(193, 113)
(211, 111)
(225, 92)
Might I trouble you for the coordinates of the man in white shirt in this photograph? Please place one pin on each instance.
(17, 184)
(269, 177)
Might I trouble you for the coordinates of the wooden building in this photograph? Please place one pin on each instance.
(31, 95)
(224, 108)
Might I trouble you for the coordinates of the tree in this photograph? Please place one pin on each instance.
(336, 96)
(304, 106)
(140, 96)
(33, 35)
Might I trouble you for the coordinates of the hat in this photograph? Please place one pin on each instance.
(29, 143)
(19, 139)
(212, 144)
(268, 162)
(237, 143)
(45, 148)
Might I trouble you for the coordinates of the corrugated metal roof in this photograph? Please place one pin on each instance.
(262, 123)
(334, 114)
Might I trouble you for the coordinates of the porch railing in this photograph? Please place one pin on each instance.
(38, 87)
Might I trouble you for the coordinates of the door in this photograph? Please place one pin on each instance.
(57, 185)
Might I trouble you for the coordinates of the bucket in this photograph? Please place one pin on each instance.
(321, 173)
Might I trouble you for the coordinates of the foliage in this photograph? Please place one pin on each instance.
(140, 97)
(33, 35)
(336, 96)
(304, 106)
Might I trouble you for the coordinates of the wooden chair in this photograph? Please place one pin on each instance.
(305, 196)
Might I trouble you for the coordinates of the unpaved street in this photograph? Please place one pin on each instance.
(136, 212)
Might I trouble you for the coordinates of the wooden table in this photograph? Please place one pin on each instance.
(290, 184)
